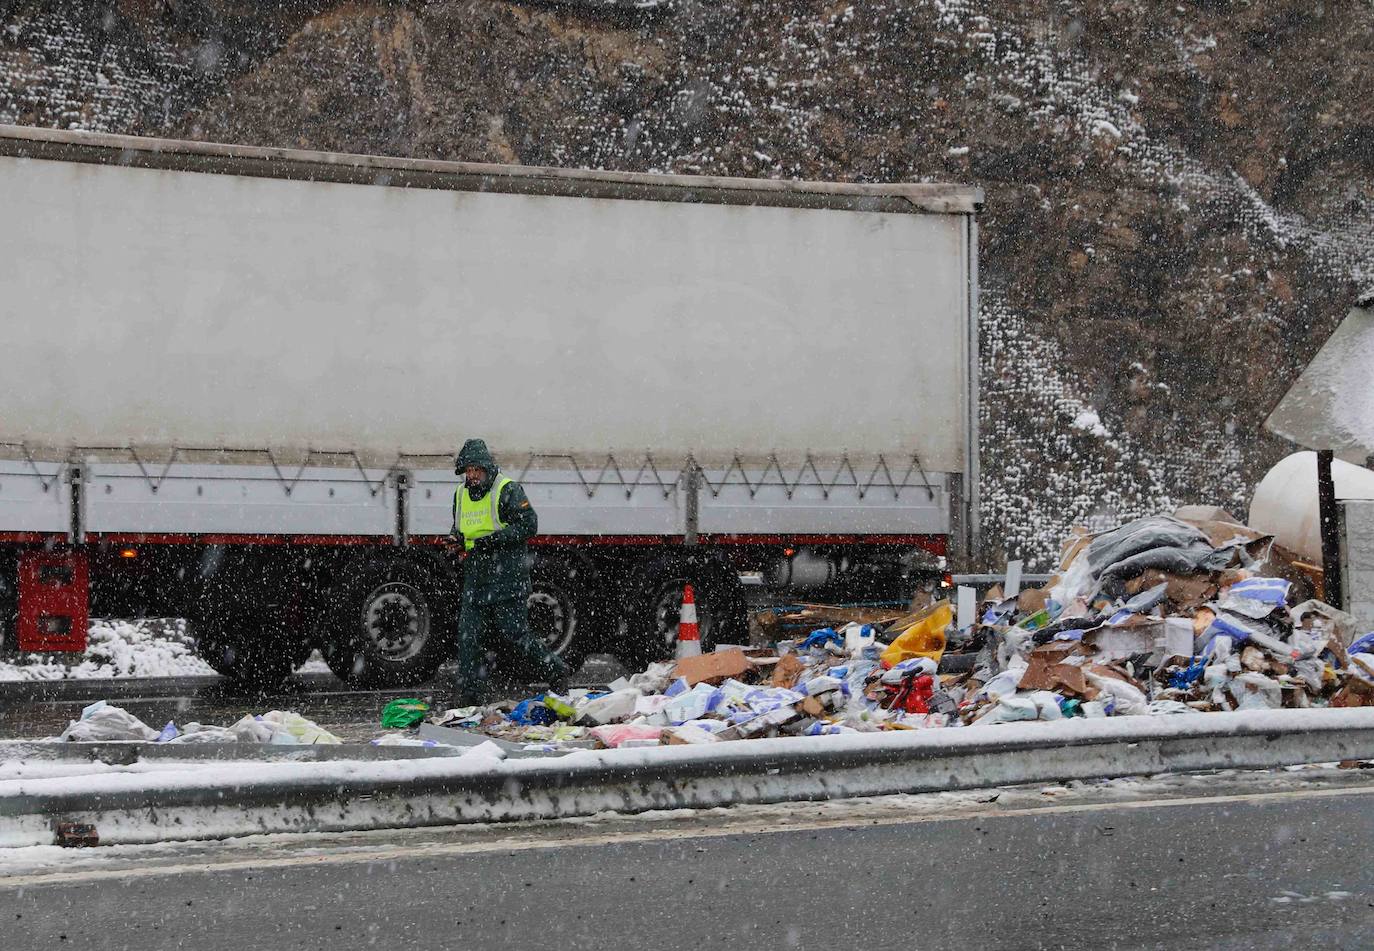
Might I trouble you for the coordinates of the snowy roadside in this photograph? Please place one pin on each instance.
(168, 800)
(116, 649)
(1318, 779)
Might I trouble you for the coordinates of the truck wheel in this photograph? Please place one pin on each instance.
(559, 608)
(656, 606)
(388, 625)
(245, 649)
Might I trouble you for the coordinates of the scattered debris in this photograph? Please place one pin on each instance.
(102, 722)
(76, 835)
(403, 712)
(1165, 615)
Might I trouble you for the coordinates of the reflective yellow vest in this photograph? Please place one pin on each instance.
(478, 519)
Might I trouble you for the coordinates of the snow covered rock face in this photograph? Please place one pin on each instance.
(1169, 232)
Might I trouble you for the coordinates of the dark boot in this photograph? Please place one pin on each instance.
(471, 695)
(559, 674)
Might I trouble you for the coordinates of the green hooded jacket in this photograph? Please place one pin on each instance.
(496, 569)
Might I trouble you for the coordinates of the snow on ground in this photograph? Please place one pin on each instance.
(118, 649)
(315, 665)
(157, 648)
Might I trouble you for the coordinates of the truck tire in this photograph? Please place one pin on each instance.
(656, 603)
(560, 607)
(390, 624)
(248, 649)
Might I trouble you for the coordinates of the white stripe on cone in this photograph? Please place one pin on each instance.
(688, 634)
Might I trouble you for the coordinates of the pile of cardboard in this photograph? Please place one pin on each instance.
(731, 693)
(1170, 614)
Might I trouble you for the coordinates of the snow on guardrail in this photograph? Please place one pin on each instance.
(169, 802)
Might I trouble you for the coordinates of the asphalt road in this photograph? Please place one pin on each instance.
(1207, 863)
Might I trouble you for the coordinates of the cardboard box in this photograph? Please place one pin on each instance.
(687, 736)
(714, 668)
(1189, 591)
(1355, 693)
(766, 723)
(1109, 670)
(1072, 547)
(450, 736)
(1159, 637)
(1032, 600)
(787, 671)
(1046, 670)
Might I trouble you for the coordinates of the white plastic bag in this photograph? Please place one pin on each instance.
(485, 751)
(200, 733)
(1010, 709)
(1005, 683)
(1254, 691)
(655, 679)
(1129, 698)
(1046, 705)
(102, 723)
(608, 708)
(282, 728)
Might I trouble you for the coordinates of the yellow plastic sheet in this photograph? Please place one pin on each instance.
(925, 638)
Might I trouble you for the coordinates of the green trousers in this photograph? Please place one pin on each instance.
(494, 633)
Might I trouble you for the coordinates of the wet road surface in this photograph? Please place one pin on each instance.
(1247, 862)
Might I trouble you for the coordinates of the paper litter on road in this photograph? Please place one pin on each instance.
(1164, 616)
(102, 722)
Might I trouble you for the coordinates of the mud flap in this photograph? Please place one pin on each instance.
(54, 601)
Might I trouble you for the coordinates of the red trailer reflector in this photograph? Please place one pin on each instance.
(53, 601)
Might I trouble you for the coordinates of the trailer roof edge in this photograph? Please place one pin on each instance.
(301, 164)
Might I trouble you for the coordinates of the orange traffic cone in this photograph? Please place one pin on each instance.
(688, 634)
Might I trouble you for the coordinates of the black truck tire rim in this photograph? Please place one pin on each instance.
(396, 620)
(552, 620)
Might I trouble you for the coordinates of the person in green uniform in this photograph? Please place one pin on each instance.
(492, 523)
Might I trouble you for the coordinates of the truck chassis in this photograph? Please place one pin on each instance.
(270, 560)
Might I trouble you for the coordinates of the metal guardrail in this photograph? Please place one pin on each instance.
(988, 580)
(318, 797)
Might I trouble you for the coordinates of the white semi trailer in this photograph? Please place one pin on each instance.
(234, 379)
